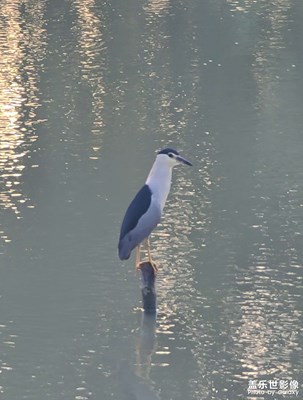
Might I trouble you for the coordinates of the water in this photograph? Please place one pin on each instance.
(89, 91)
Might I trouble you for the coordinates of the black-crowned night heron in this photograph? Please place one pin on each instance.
(144, 212)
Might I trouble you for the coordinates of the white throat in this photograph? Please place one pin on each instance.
(159, 179)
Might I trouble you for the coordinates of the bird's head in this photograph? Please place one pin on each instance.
(172, 157)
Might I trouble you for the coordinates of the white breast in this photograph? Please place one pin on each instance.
(159, 180)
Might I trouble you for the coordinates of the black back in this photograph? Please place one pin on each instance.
(136, 209)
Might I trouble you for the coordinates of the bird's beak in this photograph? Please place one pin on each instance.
(183, 160)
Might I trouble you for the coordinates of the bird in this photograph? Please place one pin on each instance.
(145, 210)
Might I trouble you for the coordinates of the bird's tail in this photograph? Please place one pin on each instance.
(123, 250)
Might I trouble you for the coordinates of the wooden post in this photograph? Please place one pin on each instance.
(148, 289)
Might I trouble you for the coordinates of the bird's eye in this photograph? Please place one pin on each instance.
(170, 155)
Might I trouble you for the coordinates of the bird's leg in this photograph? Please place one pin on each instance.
(150, 257)
(138, 251)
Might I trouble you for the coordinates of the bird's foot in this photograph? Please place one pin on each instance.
(151, 263)
(139, 265)
(155, 268)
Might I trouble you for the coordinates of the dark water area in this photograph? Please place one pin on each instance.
(89, 91)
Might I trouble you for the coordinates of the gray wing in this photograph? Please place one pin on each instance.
(146, 224)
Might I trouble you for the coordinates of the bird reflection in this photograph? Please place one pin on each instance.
(146, 344)
(136, 384)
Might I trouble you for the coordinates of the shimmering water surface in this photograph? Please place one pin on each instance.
(89, 90)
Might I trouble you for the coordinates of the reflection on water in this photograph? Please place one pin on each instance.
(88, 91)
(265, 330)
(246, 327)
(92, 48)
(22, 49)
(8, 343)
